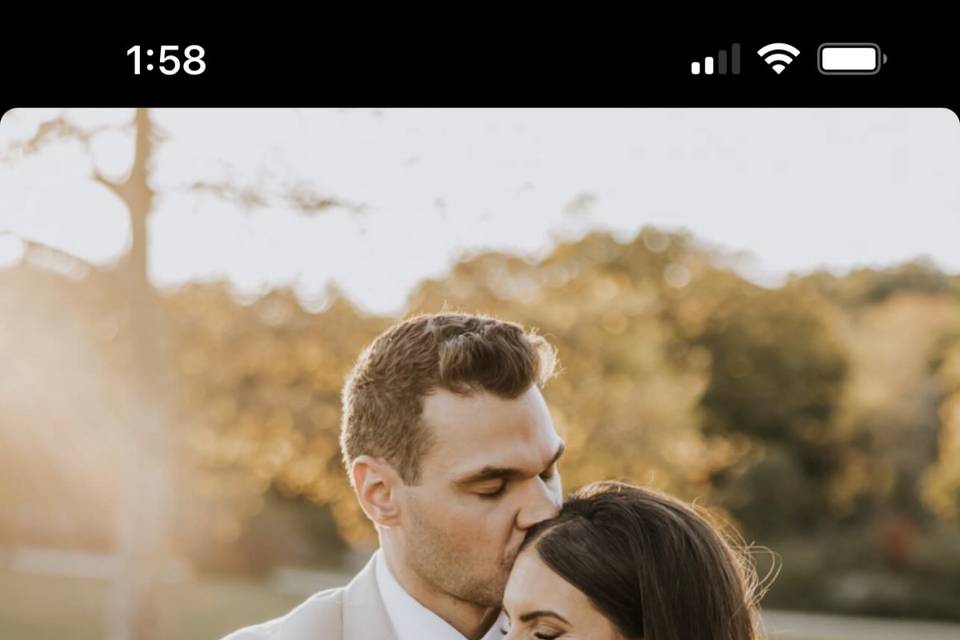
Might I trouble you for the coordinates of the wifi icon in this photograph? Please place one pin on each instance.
(778, 55)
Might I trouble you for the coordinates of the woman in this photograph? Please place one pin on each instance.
(622, 562)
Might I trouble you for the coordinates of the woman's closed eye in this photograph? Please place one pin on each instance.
(543, 630)
(540, 635)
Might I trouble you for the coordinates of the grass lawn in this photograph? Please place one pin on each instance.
(45, 607)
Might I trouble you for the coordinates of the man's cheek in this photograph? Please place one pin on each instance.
(468, 514)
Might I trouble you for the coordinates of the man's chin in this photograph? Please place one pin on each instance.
(491, 595)
(501, 585)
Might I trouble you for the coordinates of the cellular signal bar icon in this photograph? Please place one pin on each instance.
(721, 67)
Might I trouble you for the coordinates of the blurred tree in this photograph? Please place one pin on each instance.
(941, 483)
(890, 402)
(150, 401)
(145, 516)
(776, 379)
(262, 407)
(144, 403)
(863, 287)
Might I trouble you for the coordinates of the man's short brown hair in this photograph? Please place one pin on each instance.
(382, 397)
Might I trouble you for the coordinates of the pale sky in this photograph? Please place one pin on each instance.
(796, 188)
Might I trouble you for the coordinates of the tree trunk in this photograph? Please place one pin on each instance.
(144, 516)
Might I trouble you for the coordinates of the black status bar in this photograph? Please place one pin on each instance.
(777, 70)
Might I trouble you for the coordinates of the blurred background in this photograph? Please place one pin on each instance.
(755, 309)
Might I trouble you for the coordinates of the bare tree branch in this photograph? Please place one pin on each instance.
(301, 197)
(58, 129)
(33, 249)
(115, 187)
(246, 197)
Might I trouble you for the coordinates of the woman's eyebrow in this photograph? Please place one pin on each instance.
(542, 613)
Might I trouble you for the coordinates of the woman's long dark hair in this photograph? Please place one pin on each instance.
(651, 564)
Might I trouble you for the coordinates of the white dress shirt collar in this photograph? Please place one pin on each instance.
(411, 620)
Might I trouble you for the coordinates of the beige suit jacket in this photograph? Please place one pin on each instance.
(353, 612)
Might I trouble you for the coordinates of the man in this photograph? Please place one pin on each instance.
(453, 456)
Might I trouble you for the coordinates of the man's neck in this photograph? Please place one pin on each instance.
(471, 620)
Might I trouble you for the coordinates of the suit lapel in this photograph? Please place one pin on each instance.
(364, 615)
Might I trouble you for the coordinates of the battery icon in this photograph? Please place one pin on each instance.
(847, 59)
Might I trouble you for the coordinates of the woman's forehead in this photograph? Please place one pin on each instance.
(533, 584)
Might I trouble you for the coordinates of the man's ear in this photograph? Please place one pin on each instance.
(378, 489)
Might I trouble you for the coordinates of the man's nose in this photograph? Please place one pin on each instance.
(540, 503)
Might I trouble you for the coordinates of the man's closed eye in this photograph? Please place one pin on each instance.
(495, 493)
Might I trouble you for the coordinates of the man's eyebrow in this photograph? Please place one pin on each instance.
(541, 613)
(506, 473)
